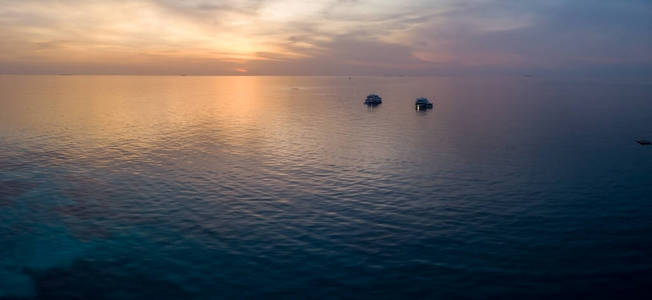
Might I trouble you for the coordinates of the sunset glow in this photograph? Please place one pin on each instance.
(319, 37)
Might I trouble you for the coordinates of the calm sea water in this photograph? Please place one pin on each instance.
(228, 187)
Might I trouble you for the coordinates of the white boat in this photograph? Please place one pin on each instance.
(373, 99)
(422, 103)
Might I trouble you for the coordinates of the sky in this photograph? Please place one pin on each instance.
(329, 37)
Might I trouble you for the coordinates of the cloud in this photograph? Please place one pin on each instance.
(553, 34)
(323, 37)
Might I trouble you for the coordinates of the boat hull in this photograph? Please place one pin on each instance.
(423, 106)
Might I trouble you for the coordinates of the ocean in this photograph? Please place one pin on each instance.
(199, 187)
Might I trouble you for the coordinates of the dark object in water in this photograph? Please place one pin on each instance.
(644, 142)
(373, 99)
(422, 103)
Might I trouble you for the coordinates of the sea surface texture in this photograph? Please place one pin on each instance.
(182, 187)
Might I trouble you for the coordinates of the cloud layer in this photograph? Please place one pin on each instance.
(325, 37)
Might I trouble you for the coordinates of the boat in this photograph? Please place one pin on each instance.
(644, 142)
(422, 103)
(373, 99)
